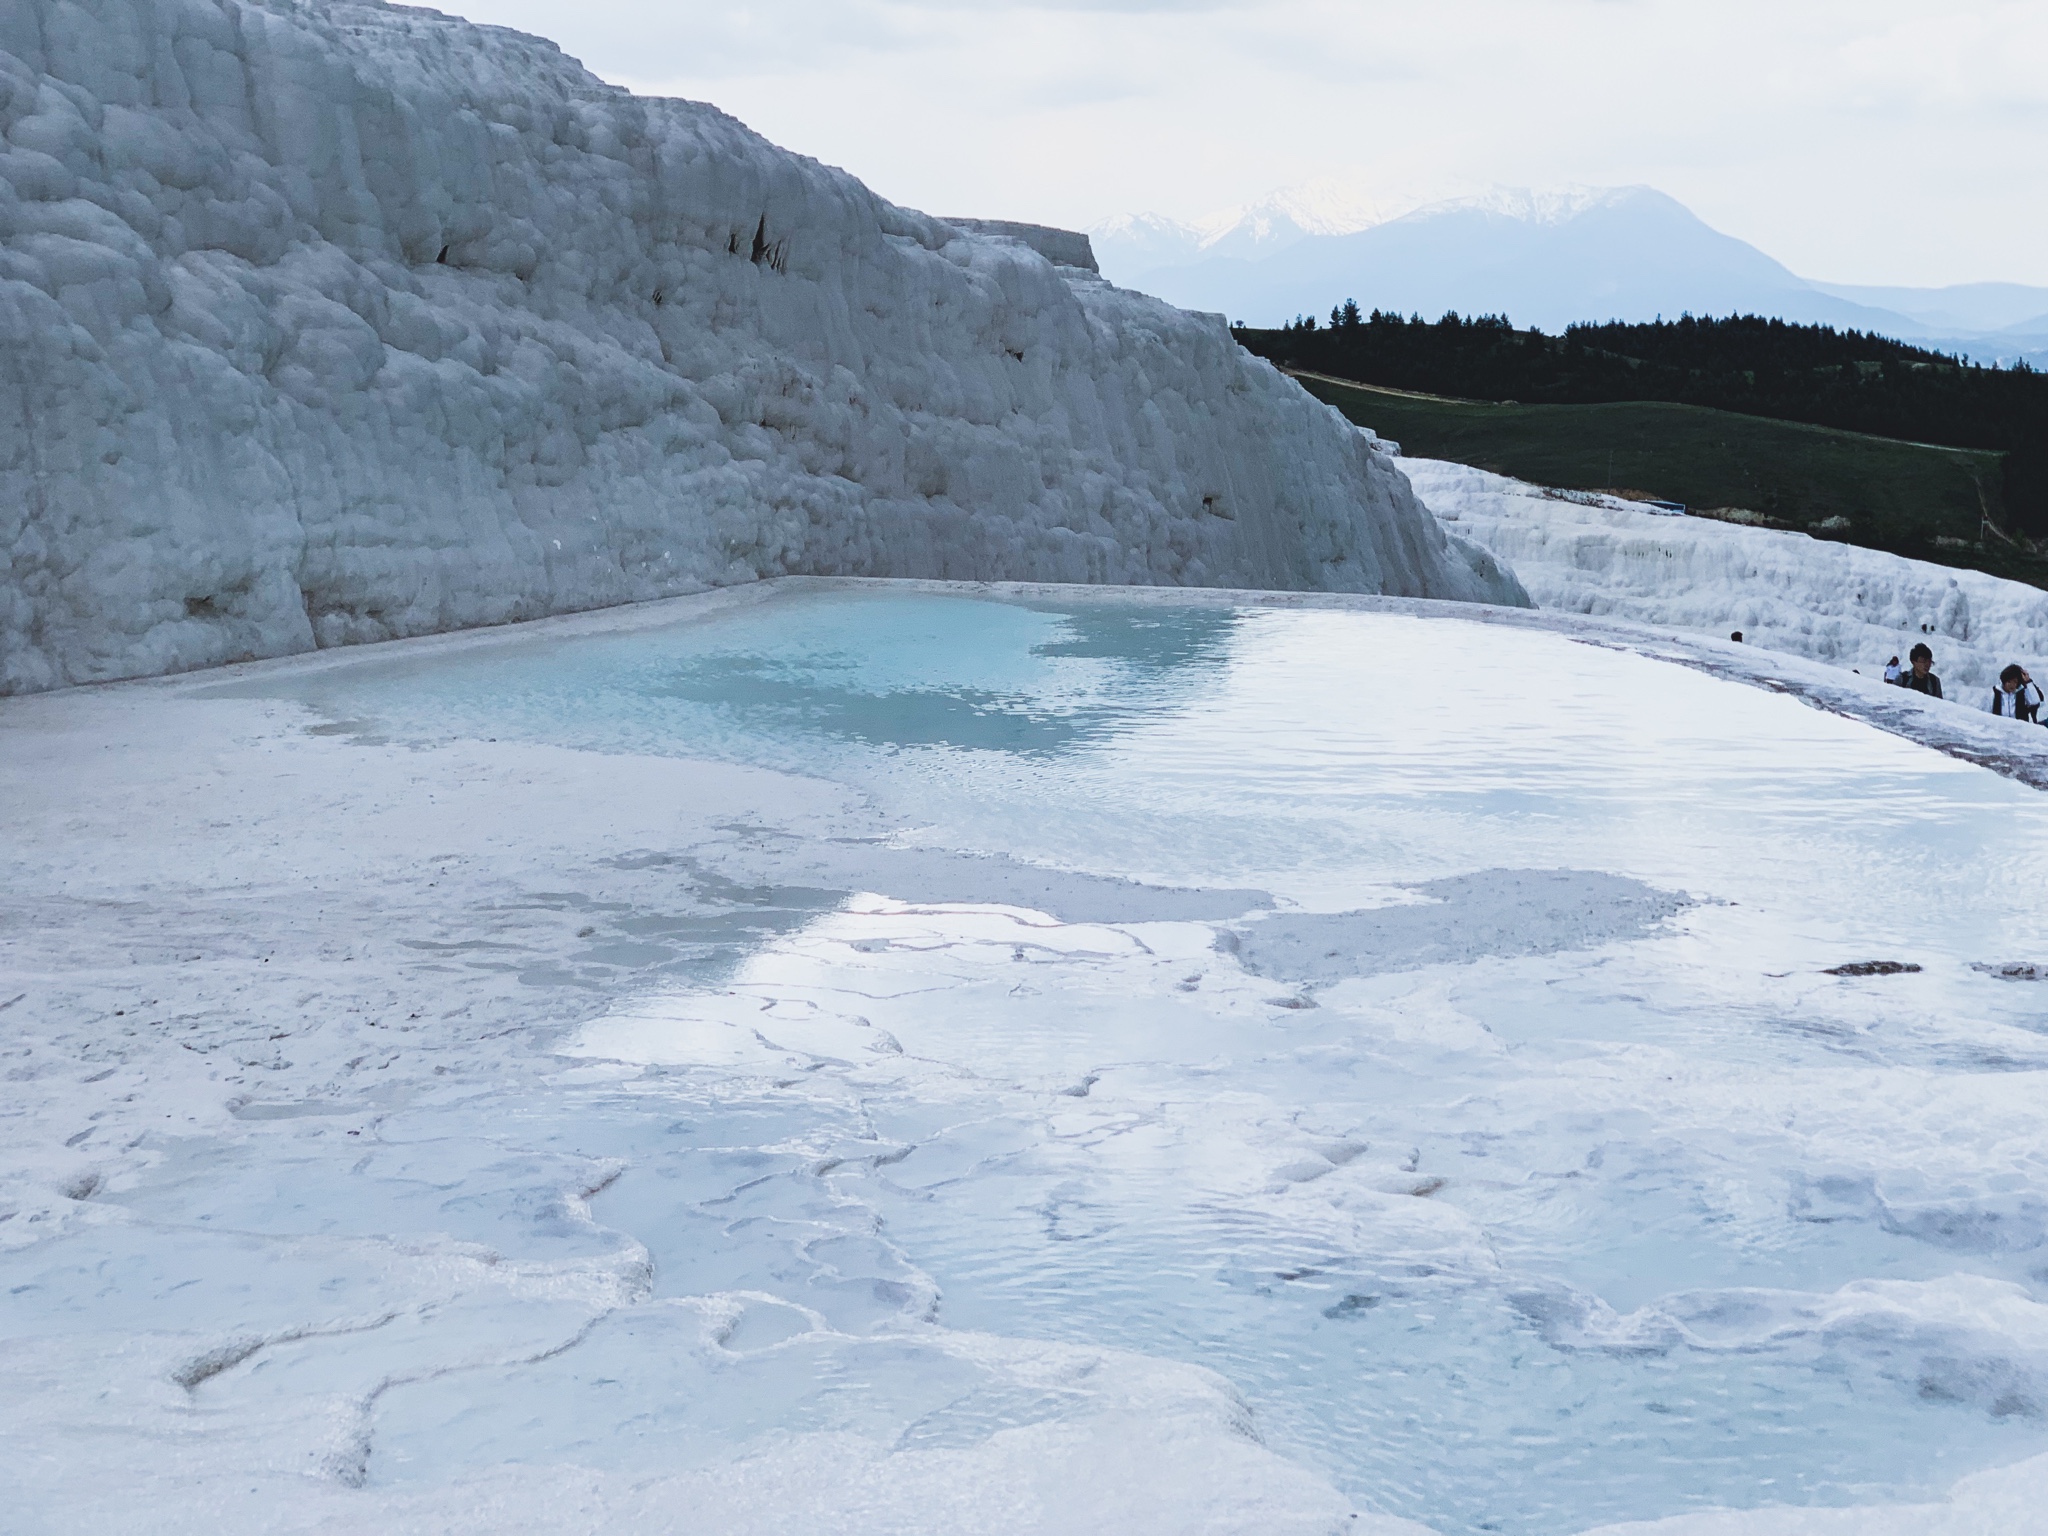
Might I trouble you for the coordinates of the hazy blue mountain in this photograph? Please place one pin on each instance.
(1964, 308)
(1546, 260)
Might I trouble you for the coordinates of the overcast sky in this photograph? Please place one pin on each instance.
(1881, 141)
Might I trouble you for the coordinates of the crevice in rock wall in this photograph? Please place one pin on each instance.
(763, 252)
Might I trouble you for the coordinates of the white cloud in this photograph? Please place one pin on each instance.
(1884, 140)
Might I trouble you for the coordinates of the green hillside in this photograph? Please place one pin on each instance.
(1927, 502)
(1808, 374)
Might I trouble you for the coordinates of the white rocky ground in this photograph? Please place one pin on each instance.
(221, 930)
(324, 1054)
(1839, 603)
(335, 322)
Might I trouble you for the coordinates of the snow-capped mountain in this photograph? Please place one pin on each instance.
(1145, 242)
(1134, 245)
(1544, 258)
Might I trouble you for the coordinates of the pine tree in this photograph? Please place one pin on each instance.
(2026, 483)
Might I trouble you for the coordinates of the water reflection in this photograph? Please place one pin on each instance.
(920, 672)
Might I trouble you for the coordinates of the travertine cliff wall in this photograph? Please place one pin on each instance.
(329, 322)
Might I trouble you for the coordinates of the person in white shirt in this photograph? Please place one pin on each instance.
(2016, 697)
(1894, 673)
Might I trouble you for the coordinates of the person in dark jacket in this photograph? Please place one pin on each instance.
(1922, 679)
(2016, 697)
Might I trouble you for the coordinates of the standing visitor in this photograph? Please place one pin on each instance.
(1922, 679)
(2016, 697)
(1894, 673)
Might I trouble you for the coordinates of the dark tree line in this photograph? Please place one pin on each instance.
(1806, 373)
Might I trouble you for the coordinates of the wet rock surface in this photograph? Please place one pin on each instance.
(1497, 912)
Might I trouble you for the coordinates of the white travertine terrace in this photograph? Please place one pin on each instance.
(1838, 603)
(335, 322)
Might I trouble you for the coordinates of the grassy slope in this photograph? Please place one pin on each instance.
(1896, 496)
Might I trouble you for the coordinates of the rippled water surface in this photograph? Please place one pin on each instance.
(1549, 1204)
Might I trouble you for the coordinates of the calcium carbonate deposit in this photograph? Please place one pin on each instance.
(1833, 602)
(915, 1060)
(337, 322)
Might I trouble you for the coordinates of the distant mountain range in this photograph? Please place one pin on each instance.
(1542, 259)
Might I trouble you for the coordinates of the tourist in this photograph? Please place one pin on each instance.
(2016, 697)
(1894, 673)
(1922, 679)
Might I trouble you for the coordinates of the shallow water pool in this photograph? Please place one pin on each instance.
(1480, 1105)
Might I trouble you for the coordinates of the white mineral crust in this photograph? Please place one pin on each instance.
(1838, 603)
(335, 322)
